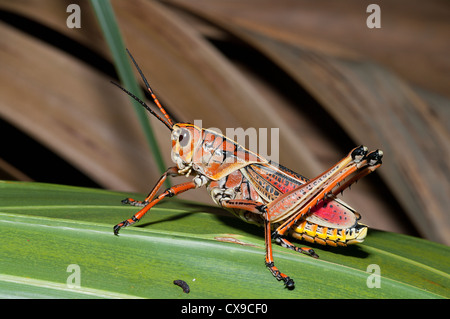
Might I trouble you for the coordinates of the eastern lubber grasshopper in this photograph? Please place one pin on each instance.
(260, 191)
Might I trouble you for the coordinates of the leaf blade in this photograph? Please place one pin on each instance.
(179, 240)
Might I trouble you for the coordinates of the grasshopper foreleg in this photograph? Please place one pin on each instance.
(150, 201)
(172, 191)
(171, 171)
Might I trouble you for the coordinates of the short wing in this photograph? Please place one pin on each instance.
(271, 180)
(333, 214)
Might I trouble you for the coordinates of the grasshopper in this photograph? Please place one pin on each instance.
(260, 191)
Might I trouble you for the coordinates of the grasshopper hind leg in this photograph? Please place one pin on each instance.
(303, 250)
(261, 210)
(288, 282)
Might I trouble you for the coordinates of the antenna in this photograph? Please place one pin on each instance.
(169, 125)
(155, 99)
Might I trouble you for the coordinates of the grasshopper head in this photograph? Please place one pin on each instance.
(185, 139)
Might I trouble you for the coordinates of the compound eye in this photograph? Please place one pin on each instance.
(184, 138)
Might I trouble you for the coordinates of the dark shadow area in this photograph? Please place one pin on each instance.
(168, 219)
(350, 251)
(37, 161)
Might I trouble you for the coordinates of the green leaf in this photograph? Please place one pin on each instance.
(45, 228)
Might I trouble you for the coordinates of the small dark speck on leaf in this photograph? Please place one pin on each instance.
(183, 285)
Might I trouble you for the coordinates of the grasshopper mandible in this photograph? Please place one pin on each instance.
(260, 191)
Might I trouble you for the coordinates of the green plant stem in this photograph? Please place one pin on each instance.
(108, 24)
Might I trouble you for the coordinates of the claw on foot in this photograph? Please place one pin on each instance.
(132, 202)
(309, 252)
(289, 283)
(125, 223)
(127, 201)
(117, 228)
